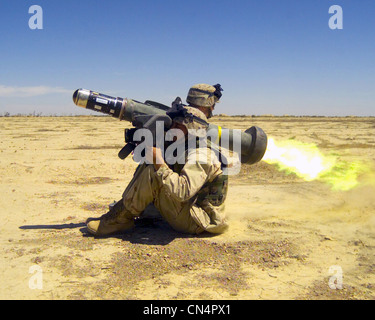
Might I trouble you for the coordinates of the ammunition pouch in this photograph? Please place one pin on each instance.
(214, 192)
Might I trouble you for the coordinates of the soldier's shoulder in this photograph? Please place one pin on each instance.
(203, 155)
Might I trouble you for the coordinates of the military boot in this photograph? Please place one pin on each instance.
(116, 220)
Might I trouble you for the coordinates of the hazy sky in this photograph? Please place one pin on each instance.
(271, 56)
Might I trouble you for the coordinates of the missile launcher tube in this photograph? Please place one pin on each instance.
(253, 142)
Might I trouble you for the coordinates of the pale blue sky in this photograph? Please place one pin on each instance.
(271, 56)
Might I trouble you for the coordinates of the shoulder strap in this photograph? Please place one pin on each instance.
(222, 158)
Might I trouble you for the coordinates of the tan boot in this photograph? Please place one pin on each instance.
(115, 220)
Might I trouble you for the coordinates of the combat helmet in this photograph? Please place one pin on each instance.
(204, 95)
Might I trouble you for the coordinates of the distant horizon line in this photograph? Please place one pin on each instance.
(40, 115)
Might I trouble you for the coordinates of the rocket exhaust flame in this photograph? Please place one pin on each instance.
(307, 162)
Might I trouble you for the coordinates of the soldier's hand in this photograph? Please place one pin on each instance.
(154, 155)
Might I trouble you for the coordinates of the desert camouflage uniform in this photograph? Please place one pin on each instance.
(181, 194)
(189, 195)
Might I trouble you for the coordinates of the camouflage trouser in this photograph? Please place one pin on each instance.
(145, 189)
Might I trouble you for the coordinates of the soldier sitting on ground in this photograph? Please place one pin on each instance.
(189, 194)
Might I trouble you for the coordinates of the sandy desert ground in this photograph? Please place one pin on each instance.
(288, 238)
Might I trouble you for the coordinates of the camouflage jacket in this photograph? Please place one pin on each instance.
(199, 181)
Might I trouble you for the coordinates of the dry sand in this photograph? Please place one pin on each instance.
(284, 235)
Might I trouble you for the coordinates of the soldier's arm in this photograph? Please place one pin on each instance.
(193, 176)
(154, 155)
